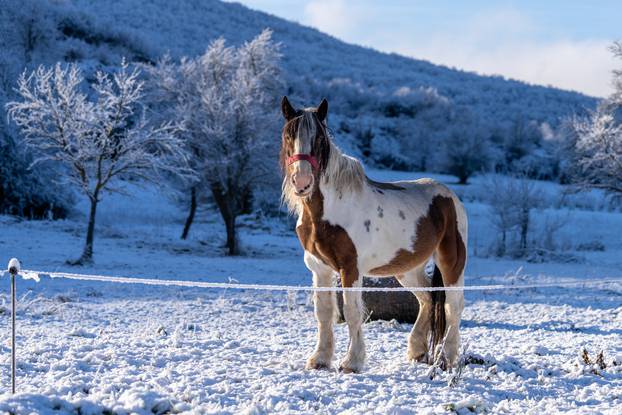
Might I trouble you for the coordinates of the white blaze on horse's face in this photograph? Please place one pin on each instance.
(301, 171)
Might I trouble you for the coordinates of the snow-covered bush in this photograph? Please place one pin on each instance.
(25, 27)
(227, 100)
(93, 138)
(466, 150)
(29, 192)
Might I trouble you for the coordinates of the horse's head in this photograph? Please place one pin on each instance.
(305, 146)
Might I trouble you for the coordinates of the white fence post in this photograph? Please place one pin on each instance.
(14, 268)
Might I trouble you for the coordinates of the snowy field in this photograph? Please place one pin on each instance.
(98, 348)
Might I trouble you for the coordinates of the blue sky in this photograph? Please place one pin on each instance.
(547, 42)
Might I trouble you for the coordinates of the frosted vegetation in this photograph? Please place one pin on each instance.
(94, 142)
(225, 100)
(597, 141)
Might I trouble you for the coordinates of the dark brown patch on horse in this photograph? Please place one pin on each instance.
(383, 185)
(380, 212)
(402, 215)
(437, 231)
(329, 243)
(367, 224)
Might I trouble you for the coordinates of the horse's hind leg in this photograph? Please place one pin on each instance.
(454, 304)
(325, 308)
(418, 337)
(451, 260)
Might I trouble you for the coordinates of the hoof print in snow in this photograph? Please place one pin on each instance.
(82, 333)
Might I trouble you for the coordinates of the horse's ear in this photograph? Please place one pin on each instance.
(286, 108)
(322, 110)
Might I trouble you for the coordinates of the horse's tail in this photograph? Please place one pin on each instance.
(437, 313)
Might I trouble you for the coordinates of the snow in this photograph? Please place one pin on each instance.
(96, 347)
(129, 350)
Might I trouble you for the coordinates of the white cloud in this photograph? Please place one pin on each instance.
(505, 42)
(330, 16)
(499, 40)
(577, 65)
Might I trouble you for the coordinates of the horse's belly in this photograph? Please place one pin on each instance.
(380, 246)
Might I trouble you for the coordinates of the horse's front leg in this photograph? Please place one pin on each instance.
(325, 309)
(353, 313)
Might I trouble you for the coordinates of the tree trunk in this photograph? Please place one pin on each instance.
(232, 246)
(523, 232)
(501, 251)
(463, 178)
(225, 206)
(193, 209)
(87, 254)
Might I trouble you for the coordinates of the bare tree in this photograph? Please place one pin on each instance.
(226, 98)
(511, 201)
(502, 211)
(96, 140)
(527, 197)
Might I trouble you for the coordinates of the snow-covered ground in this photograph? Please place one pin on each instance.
(94, 348)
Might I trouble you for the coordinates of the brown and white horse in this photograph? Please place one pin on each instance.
(353, 226)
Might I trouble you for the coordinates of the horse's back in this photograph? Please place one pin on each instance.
(420, 191)
(419, 195)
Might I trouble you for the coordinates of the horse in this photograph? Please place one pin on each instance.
(350, 225)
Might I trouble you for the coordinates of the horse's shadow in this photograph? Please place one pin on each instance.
(559, 326)
(595, 298)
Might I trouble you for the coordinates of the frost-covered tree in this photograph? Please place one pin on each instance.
(95, 138)
(598, 150)
(226, 99)
(616, 97)
(598, 141)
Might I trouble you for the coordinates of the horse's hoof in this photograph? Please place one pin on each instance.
(313, 364)
(345, 367)
(317, 366)
(347, 370)
(421, 358)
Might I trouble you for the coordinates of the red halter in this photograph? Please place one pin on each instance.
(306, 157)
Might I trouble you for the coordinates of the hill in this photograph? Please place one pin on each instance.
(391, 110)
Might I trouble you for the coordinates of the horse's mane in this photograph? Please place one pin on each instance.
(343, 174)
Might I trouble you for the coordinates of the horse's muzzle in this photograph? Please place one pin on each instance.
(303, 183)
